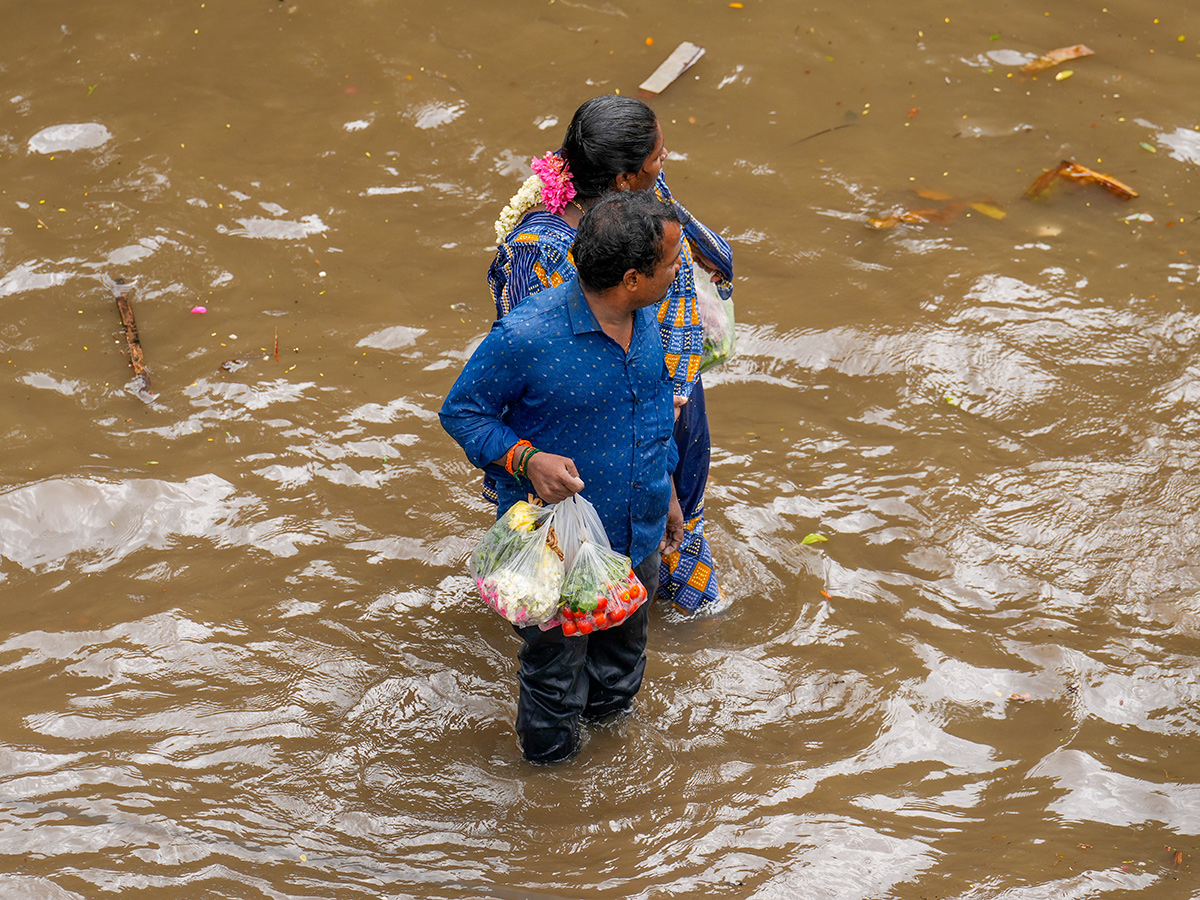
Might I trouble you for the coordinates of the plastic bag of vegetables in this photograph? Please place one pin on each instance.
(518, 565)
(600, 588)
(715, 307)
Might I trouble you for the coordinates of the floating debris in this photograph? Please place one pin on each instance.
(1082, 174)
(681, 59)
(1055, 57)
(120, 288)
(73, 136)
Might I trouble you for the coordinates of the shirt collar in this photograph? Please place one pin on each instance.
(583, 319)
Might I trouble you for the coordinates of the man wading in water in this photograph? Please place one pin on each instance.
(578, 371)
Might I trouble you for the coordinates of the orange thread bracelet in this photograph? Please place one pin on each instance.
(508, 459)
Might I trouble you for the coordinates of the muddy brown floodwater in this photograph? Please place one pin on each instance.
(240, 655)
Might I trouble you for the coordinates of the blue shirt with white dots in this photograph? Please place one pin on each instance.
(547, 373)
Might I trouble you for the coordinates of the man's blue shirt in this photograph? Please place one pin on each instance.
(547, 373)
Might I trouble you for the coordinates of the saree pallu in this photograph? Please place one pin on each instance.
(687, 578)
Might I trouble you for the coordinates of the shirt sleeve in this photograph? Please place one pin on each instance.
(489, 384)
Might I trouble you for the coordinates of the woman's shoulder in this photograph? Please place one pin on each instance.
(540, 227)
(535, 255)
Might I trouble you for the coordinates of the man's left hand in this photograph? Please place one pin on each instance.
(673, 536)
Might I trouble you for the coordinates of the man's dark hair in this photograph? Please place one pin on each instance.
(608, 136)
(623, 231)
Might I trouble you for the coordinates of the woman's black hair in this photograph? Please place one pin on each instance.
(608, 136)
(623, 231)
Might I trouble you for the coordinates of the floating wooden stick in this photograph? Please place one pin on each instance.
(137, 361)
(681, 59)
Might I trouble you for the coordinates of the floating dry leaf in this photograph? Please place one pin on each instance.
(1075, 172)
(1054, 57)
(950, 210)
(991, 210)
(947, 213)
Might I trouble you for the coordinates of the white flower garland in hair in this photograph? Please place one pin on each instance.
(529, 196)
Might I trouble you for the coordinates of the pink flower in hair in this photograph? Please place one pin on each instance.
(557, 190)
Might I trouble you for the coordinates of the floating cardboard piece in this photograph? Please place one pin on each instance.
(681, 59)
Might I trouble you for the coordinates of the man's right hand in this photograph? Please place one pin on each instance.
(554, 478)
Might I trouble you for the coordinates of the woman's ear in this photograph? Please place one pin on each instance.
(625, 181)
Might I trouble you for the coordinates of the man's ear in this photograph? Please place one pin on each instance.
(630, 279)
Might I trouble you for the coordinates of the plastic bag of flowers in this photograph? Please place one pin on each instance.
(518, 565)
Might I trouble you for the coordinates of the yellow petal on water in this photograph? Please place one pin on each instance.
(1065, 73)
(991, 210)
